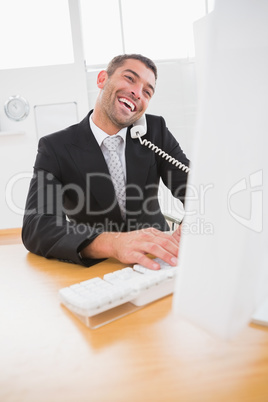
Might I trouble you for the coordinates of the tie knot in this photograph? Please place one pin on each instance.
(112, 142)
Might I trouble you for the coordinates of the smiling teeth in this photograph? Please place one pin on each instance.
(130, 104)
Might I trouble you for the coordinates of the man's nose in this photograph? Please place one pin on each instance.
(137, 91)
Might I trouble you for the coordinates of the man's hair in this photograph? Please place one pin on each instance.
(118, 61)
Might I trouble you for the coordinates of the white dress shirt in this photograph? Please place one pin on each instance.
(100, 135)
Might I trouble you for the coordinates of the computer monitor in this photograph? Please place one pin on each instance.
(223, 260)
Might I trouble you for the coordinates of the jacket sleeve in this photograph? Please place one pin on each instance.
(46, 230)
(174, 175)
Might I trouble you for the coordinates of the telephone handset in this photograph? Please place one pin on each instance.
(139, 129)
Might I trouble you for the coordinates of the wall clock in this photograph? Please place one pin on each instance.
(17, 108)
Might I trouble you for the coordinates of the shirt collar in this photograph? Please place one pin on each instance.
(100, 135)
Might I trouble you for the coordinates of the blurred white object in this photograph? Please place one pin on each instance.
(224, 255)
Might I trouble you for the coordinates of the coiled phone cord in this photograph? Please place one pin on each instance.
(164, 155)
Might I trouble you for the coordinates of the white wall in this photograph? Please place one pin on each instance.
(175, 99)
(40, 86)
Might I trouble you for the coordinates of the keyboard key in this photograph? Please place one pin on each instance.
(164, 267)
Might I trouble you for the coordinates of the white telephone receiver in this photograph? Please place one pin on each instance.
(139, 129)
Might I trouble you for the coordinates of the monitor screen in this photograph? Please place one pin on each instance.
(223, 260)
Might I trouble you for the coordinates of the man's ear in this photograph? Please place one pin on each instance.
(102, 77)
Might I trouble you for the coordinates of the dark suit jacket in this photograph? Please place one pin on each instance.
(71, 179)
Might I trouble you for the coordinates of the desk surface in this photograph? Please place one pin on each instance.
(47, 354)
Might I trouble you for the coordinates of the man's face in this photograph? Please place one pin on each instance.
(126, 93)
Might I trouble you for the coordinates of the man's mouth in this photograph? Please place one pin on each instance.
(128, 104)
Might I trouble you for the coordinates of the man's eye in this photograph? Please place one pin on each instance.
(129, 78)
(148, 93)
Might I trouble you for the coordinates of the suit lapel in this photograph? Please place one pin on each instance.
(88, 158)
(138, 161)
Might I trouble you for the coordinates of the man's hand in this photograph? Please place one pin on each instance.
(177, 234)
(132, 247)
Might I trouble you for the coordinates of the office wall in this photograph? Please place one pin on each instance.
(175, 100)
(55, 85)
(47, 87)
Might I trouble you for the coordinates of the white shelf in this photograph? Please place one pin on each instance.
(11, 133)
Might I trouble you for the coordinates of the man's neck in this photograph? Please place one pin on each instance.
(104, 124)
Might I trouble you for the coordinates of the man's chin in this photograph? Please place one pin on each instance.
(124, 118)
(126, 122)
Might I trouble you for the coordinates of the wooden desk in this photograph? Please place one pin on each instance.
(49, 355)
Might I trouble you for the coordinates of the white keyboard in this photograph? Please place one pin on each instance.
(137, 285)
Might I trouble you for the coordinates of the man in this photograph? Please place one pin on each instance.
(72, 177)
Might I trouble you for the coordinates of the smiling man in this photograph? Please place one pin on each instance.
(124, 96)
(89, 200)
